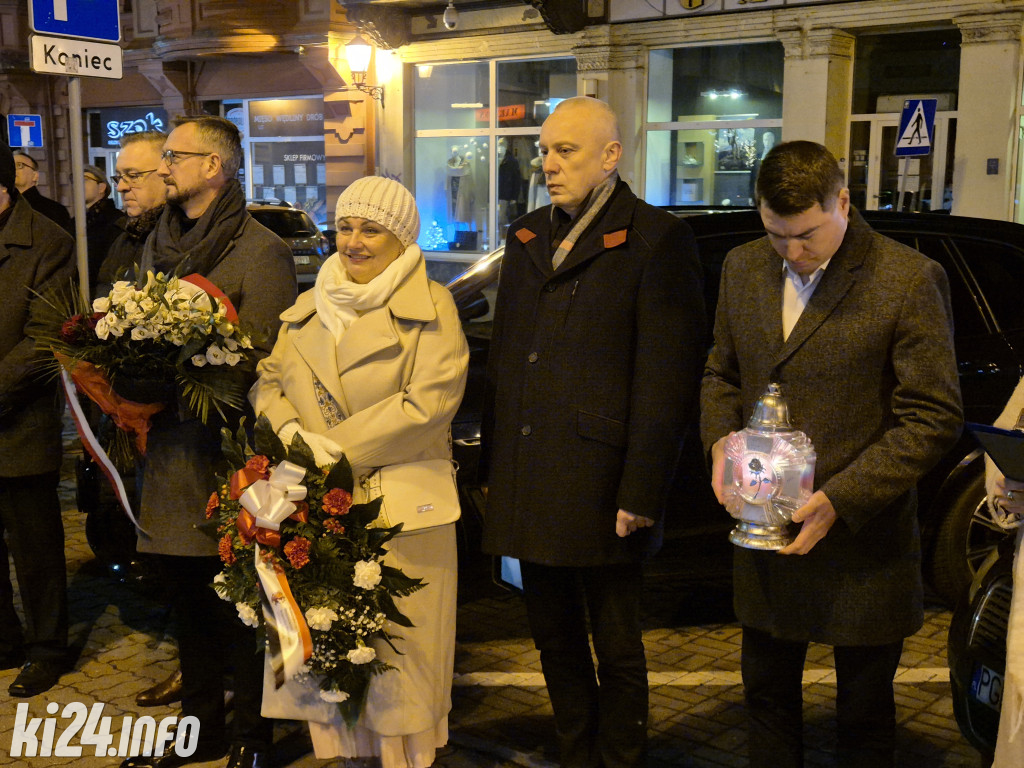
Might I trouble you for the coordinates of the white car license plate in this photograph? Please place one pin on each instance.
(304, 260)
(987, 686)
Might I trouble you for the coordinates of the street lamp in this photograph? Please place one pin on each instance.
(358, 53)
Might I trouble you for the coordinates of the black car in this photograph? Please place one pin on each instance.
(976, 649)
(985, 263)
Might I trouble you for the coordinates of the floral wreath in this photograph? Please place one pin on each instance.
(291, 535)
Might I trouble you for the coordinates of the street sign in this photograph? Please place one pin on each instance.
(917, 128)
(79, 58)
(88, 19)
(25, 130)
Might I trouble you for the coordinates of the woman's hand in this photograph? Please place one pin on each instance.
(1008, 498)
(325, 451)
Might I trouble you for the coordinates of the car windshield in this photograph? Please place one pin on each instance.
(285, 223)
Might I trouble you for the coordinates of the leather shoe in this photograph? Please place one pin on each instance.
(244, 756)
(34, 678)
(164, 692)
(171, 759)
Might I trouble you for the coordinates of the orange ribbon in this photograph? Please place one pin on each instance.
(242, 479)
(128, 415)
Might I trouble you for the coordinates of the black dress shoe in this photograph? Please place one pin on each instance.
(164, 692)
(171, 759)
(244, 756)
(34, 678)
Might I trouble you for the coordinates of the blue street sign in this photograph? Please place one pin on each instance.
(917, 128)
(25, 130)
(88, 19)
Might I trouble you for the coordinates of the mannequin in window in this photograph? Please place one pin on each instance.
(538, 192)
(767, 142)
(459, 187)
(510, 181)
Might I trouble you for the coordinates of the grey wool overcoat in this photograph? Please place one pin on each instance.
(870, 375)
(593, 376)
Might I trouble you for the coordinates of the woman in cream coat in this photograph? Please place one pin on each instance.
(372, 362)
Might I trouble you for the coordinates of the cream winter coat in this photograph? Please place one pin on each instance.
(398, 374)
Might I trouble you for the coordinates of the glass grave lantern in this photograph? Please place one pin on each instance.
(769, 474)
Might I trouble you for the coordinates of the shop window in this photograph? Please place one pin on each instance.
(712, 114)
(478, 169)
(888, 67)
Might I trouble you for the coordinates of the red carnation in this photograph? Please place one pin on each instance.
(297, 551)
(337, 501)
(227, 556)
(212, 504)
(334, 526)
(258, 463)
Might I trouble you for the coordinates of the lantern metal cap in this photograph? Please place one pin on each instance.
(771, 413)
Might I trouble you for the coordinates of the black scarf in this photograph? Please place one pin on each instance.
(176, 248)
(139, 227)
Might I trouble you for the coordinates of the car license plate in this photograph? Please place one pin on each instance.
(987, 687)
(304, 260)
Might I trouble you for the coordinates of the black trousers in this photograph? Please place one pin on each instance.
(865, 707)
(601, 719)
(212, 640)
(33, 534)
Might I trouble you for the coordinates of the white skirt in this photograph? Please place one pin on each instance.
(405, 719)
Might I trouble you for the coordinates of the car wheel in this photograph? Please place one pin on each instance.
(965, 537)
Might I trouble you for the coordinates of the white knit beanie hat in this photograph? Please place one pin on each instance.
(384, 201)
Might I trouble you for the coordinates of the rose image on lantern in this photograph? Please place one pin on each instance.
(768, 474)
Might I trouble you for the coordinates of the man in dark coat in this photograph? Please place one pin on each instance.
(102, 220)
(143, 194)
(35, 256)
(594, 368)
(27, 176)
(206, 229)
(857, 329)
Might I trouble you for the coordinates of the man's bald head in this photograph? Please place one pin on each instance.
(581, 146)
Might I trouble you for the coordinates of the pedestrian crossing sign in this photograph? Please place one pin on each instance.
(917, 128)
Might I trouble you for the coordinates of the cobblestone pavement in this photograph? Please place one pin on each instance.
(501, 716)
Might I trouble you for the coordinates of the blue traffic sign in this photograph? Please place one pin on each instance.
(87, 19)
(25, 130)
(917, 128)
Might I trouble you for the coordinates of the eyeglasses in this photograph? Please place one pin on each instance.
(22, 166)
(175, 156)
(131, 178)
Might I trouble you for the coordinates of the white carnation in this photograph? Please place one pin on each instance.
(221, 580)
(230, 344)
(140, 333)
(232, 358)
(198, 360)
(122, 291)
(335, 697)
(321, 618)
(101, 304)
(103, 328)
(367, 574)
(215, 355)
(247, 614)
(364, 654)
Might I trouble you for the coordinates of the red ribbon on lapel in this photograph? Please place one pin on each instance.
(524, 235)
(613, 239)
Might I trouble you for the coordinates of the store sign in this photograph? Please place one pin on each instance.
(633, 10)
(506, 113)
(286, 117)
(118, 123)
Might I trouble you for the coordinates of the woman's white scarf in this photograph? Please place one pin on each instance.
(340, 301)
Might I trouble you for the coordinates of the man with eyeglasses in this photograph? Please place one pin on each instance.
(102, 219)
(26, 175)
(205, 229)
(143, 195)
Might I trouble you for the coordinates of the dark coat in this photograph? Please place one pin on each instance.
(35, 255)
(870, 376)
(103, 224)
(592, 376)
(51, 209)
(257, 273)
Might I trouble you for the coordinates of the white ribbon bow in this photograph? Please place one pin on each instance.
(270, 501)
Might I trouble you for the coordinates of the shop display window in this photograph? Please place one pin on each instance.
(477, 170)
(712, 114)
